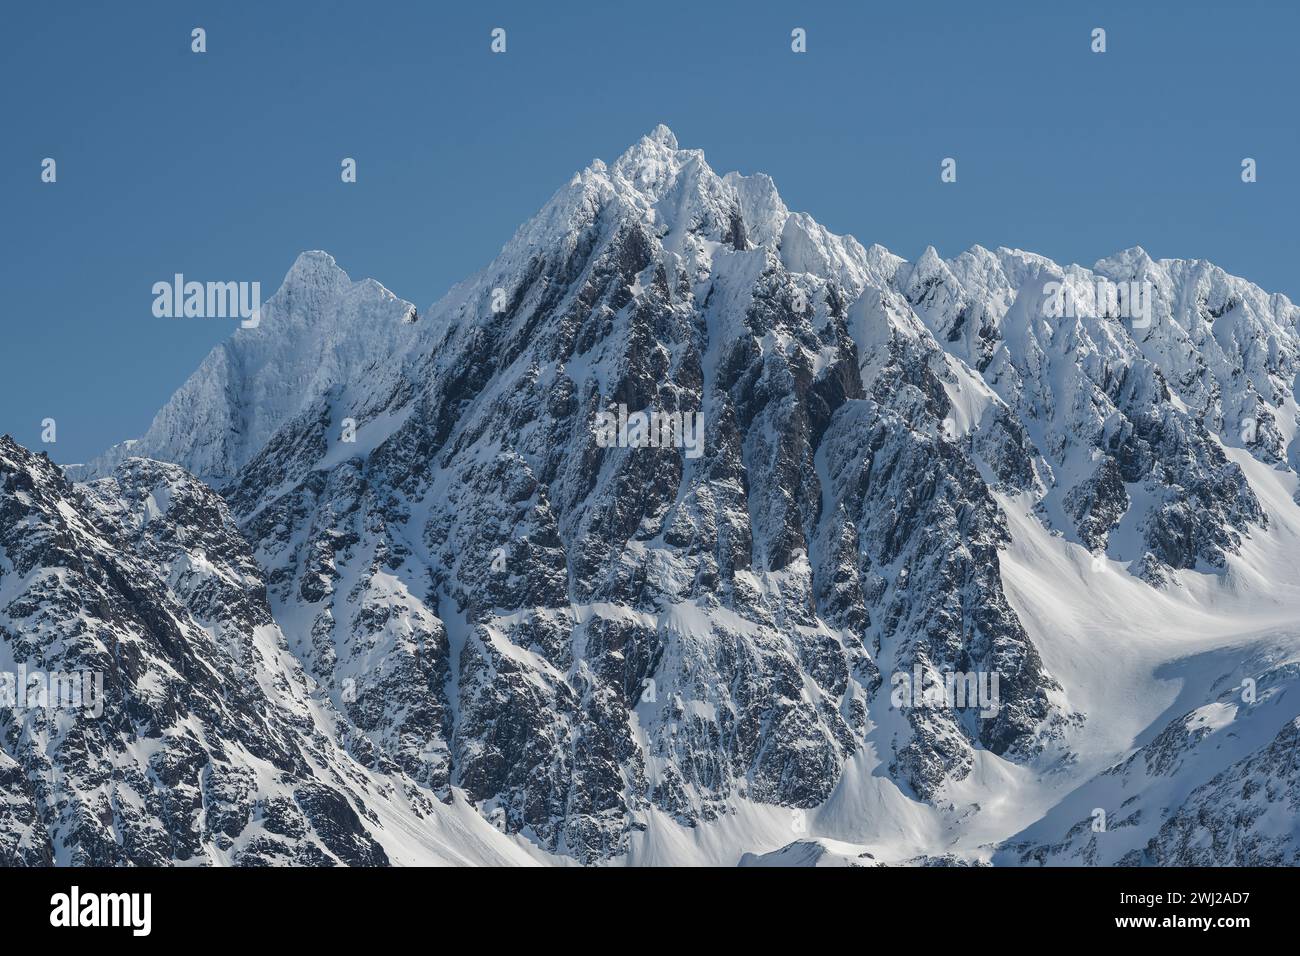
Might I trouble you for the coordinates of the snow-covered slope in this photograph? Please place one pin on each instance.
(622, 654)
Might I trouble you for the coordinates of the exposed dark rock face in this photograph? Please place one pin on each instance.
(145, 579)
(1098, 504)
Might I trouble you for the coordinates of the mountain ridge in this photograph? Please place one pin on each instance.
(607, 652)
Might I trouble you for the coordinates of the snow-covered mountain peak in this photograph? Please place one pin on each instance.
(659, 146)
(593, 643)
(662, 135)
(931, 286)
(929, 267)
(316, 269)
(317, 293)
(320, 334)
(1133, 260)
(674, 198)
(760, 205)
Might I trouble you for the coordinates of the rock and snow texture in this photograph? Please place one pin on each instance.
(487, 637)
(207, 748)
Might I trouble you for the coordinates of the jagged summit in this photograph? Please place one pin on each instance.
(316, 267)
(657, 146)
(663, 135)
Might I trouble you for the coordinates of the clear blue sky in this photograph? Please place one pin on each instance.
(225, 165)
